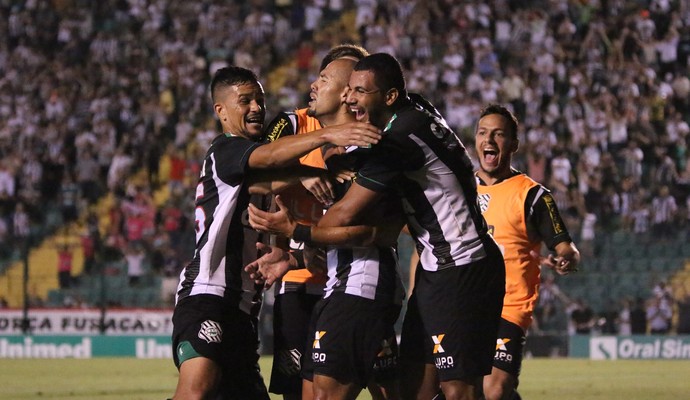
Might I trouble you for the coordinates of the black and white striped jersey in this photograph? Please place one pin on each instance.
(221, 200)
(422, 158)
(371, 272)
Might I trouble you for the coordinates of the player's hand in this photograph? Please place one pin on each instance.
(344, 175)
(561, 265)
(321, 188)
(360, 134)
(280, 222)
(270, 267)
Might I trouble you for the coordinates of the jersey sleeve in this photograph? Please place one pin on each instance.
(543, 218)
(231, 158)
(284, 124)
(395, 154)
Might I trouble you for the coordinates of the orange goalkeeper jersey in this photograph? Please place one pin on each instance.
(503, 207)
(304, 207)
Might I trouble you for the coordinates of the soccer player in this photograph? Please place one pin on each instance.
(299, 290)
(453, 315)
(214, 322)
(521, 214)
(363, 267)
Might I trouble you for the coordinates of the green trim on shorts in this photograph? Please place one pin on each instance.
(185, 352)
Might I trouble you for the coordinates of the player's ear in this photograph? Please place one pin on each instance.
(220, 110)
(391, 96)
(343, 94)
(515, 145)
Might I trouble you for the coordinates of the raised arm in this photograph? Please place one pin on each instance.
(286, 150)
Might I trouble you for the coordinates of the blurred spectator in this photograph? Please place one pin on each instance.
(550, 303)
(581, 317)
(69, 199)
(624, 320)
(638, 317)
(682, 299)
(64, 266)
(135, 257)
(658, 316)
(664, 210)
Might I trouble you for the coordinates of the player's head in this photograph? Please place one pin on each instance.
(238, 101)
(345, 50)
(329, 91)
(496, 140)
(376, 84)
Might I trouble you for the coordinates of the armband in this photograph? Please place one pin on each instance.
(302, 233)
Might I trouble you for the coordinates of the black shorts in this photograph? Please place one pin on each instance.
(509, 347)
(291, 316)
(206, 326)
(453, 316)
(353, 340)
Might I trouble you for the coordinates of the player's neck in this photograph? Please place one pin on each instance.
(496, 176)
(343, 116)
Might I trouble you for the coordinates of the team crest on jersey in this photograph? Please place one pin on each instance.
(483, 201)
(211, 332)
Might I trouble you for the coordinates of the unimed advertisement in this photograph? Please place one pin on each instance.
(85, 346)
(636, 347)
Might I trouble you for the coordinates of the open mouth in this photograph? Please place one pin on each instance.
(490, 156)
(360, 114)
(255, 119)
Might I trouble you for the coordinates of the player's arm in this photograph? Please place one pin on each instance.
(545, 220)
(267, 181)
(285, 150)
(282, 223)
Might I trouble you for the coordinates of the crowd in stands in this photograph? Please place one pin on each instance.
(92, 93)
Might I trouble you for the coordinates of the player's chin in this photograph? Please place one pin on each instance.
(255, 131)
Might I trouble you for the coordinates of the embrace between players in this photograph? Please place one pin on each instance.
(363, 160)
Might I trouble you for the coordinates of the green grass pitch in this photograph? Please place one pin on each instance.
(542, 379)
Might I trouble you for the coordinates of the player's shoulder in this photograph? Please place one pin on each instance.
(285, 123)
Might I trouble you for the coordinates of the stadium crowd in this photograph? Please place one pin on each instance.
(91, 92)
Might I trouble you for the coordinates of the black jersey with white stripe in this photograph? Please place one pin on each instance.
(422, 158)
(221, 200)
(371, 272)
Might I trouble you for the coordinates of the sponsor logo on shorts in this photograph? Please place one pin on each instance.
(502, 351)
(318, 357)
(444, 362)
(385, 349)
(437, 339)
(211, 332)
(386, 358)
(501, 344)
(317, 339)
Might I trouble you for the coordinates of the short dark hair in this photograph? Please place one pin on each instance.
(230, 76)
(500, 110)
(343, 50)
(387, 72)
